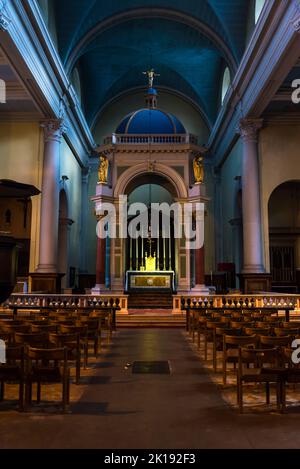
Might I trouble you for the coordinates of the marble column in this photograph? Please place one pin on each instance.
(253, 252)
(50, 197)
(84, 219)
(200, 267)
(46, 278)
(100, 267)
(101, 263)
(254, 278)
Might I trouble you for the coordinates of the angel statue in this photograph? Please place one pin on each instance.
(103, 170)
(198, 169)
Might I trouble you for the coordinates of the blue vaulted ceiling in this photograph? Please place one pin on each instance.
(189, 42)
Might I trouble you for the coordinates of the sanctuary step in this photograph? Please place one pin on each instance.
(154, 319)
(150, 300)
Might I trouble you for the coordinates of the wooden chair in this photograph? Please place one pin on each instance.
(231, 346)
(72, 342)
(38, 340)
(48, 367)
(11, 328)
(271, 342)
(44, 328)
(209, 335)
(82, 331)
(273, 373)
(219, 332)
(257, 330)
(283, 332)
(239, 324)
(93, 332)
(13, 372)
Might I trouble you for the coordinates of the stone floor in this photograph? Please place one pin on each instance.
(116, 409)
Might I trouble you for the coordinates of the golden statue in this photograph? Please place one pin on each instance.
(103, 170)
(151, 75)
(198, 169)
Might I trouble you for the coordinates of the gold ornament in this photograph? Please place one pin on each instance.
(198, 169)
(103, 170)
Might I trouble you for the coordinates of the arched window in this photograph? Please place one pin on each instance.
(225, 83)
(259, 4)
(75, 78)
(8, 217)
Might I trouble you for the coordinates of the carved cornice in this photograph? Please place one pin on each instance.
(53, 129)
(4, 18)
(248, 129)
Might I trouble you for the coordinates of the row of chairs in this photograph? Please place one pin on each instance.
(26, 366)
(54, 344)
(239, 338)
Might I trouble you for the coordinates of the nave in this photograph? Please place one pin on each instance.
(116, 409)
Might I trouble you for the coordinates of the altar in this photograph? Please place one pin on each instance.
(150, 281)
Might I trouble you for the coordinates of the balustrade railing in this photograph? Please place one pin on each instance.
(67, 301)
(281, 302)
(125, 139)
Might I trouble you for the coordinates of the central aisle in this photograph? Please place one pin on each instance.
(119, 409)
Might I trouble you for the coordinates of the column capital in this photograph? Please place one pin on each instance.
(248, 129)
(53, 129)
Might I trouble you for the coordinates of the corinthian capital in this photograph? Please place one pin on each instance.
(53, 129)
(4, 19)
(248, 129)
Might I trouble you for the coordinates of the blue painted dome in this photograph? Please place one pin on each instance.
(150, 121)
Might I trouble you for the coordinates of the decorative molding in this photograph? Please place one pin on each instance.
(53, 129)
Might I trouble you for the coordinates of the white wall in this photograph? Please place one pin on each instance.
(21, 159)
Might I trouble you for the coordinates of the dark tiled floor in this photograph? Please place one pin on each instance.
(119, 409)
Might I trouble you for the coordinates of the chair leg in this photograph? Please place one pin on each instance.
(2, 391)
(199, 339)
(268, 393)
(96, 347)
(282, 396)
(39, 392)
(78, 366)
(21, 396)
(240, 396)
(205, 347)
(215, 358)
(224, 371)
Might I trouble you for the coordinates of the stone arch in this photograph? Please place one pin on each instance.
(168, 173)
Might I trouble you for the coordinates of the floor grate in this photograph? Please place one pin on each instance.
(151, 367)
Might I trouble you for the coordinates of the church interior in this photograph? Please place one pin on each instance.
(149, 223)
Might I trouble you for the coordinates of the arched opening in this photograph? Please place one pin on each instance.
(63, 234)
(259, 4)
(225, 83)
(161, 248)
(284, 233)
